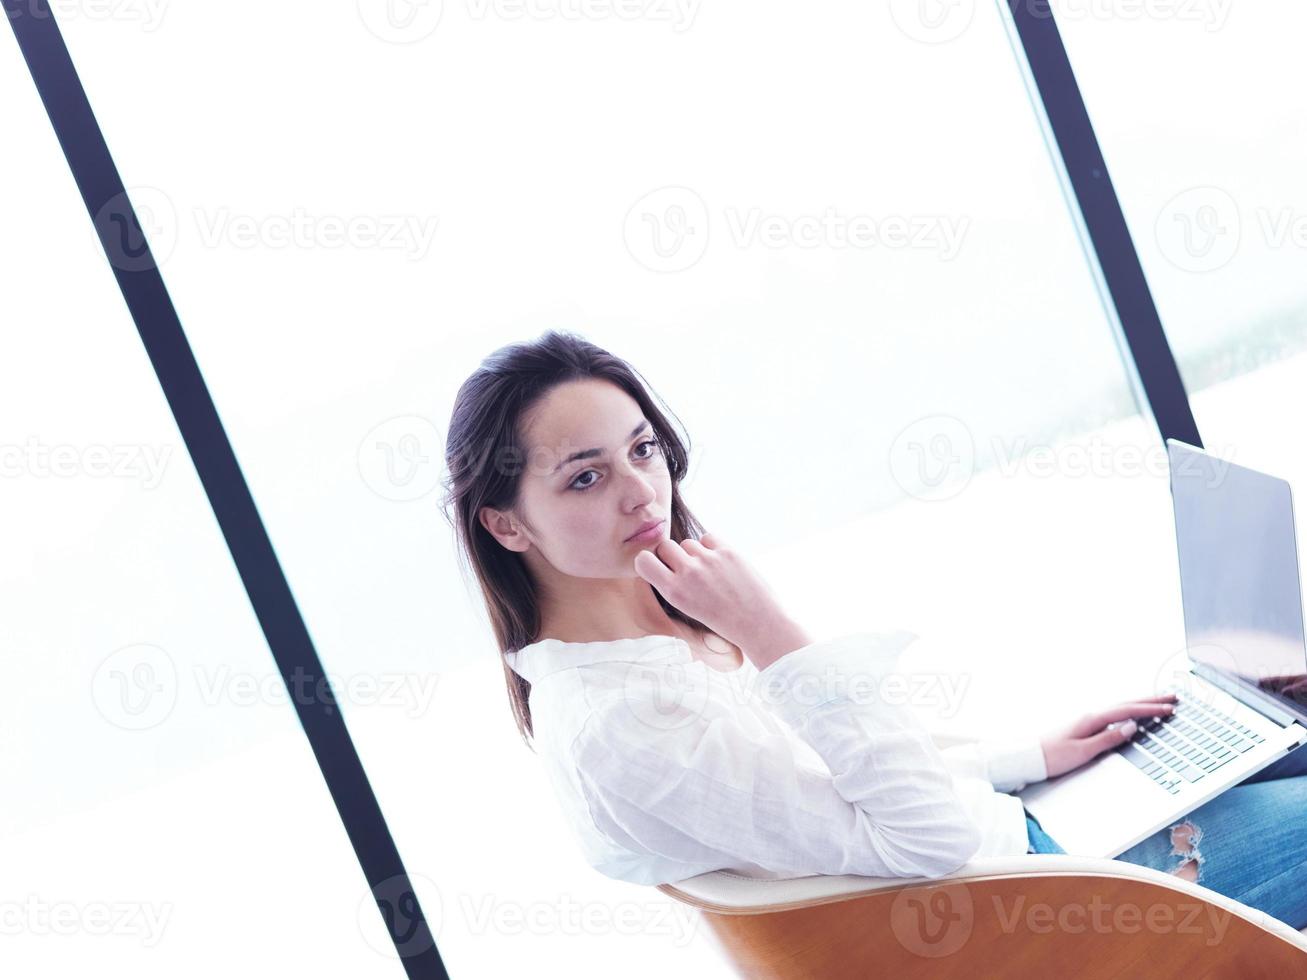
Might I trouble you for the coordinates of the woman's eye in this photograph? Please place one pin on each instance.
(577, 485)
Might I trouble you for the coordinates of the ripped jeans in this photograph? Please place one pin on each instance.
(1249, 844)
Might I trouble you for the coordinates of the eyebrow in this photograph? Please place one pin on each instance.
(589, 453)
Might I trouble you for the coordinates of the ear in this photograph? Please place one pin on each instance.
(504, 528)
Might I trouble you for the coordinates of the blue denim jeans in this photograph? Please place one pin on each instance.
(1249, 844)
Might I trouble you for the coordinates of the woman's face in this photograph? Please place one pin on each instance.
(578, 514)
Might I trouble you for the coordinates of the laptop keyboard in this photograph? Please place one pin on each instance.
(1187, 744)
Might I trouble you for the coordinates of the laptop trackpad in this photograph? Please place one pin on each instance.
(1100, 809)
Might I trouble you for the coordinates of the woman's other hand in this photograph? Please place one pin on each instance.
(710, 582)
(1096, 733)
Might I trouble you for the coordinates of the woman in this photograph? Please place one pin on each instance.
(690, 724)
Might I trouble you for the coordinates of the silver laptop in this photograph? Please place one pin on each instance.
(1242, 686)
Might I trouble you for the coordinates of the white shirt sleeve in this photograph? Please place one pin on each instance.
(1008, 765)
(701, 786)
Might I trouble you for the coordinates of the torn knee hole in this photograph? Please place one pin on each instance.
(1184, 843)
(1187, 869)
(1184, 837)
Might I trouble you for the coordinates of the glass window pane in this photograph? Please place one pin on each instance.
(163, 814)
(1199, 110)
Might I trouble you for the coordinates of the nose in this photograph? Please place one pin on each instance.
(637, 489)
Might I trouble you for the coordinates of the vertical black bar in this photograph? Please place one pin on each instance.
(197, 418)
(1097, 200)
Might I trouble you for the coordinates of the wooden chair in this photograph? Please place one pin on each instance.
(1022, 916)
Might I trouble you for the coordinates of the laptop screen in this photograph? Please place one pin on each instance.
(1239, 572)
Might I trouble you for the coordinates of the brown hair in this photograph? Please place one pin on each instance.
(485, 455)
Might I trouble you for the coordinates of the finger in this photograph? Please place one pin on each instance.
(1089, 725)
(672, 554)
(1131, 709)
(695, 548)
(1154, 703)
(710, 541)
(649, 568)
(1110, 738)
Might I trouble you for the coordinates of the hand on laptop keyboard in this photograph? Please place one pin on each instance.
(1194, 740)
(1093, 734)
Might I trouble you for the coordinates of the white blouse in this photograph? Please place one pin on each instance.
(668, 768)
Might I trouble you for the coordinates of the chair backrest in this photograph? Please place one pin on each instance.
(1032, 915)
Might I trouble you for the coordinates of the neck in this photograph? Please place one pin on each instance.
(581, 610)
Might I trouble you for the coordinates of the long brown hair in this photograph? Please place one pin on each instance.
(485, 454)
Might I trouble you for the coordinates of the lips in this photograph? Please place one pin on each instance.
(645, 527)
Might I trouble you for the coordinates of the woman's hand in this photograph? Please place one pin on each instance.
(710, 582)
(1095, 734)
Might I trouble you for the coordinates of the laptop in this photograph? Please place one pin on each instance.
(1241, 685)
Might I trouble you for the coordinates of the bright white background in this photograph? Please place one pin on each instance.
(537, 170)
